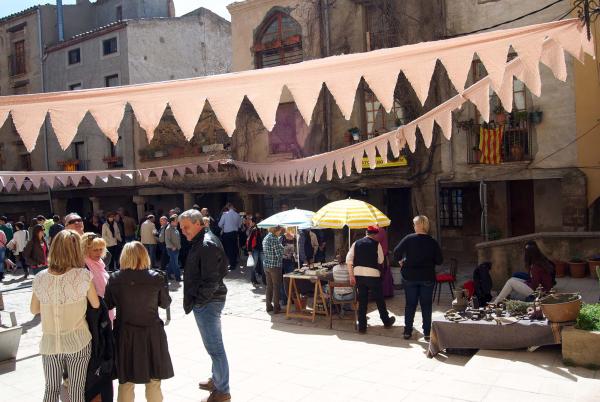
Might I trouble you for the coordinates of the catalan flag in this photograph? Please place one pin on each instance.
(490, 145)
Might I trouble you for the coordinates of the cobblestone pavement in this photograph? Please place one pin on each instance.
(275, 359)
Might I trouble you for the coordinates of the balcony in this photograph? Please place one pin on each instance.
(73, 165)
(516, 142)
(113, 162)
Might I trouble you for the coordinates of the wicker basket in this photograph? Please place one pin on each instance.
(556, 311)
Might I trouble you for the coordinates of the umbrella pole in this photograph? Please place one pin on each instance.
(298, 245)
(349, 239)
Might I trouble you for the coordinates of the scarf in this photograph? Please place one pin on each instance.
(100, 279)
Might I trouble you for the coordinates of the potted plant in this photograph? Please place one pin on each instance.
(521, 116)
(516, 152)
(500, 115)
(355, 132)
(577, 267)
(594, 264)
(561, 268)
(581, 344)
(535, 117)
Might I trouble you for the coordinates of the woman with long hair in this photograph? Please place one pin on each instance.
(60, 295)
(142, 351)
(112, 236)
(540, 273)
(36, 250)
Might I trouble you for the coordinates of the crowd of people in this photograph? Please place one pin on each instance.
(98, 293)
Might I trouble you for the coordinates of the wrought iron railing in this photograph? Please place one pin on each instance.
(515, 146)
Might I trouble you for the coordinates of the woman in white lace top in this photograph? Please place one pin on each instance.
(60, 296)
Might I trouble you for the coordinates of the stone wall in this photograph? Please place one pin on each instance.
(507, 255)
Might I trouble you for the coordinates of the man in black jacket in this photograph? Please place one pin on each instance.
(204, 293)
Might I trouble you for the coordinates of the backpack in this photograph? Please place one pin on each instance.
(483, 283)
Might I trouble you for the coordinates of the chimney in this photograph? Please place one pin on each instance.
(60, 20)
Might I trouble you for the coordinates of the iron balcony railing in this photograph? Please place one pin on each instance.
(516, 142)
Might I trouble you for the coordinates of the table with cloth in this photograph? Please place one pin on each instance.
(483, 334)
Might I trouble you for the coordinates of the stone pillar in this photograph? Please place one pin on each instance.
(140, 203)
(59, 205)
(248, 204)
(95, 204)
(188, 201)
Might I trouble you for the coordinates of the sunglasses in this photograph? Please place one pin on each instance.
(74, 221)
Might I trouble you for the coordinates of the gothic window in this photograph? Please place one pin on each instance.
(279, 42)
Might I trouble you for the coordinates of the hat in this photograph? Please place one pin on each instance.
(373, 229)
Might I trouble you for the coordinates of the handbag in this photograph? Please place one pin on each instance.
(250, 262)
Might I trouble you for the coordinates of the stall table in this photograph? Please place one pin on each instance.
(483, 334)
(295, 297)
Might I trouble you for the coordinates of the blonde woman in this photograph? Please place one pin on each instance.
(418, 254)
(94, 250)
(60, 296)
(141, 342)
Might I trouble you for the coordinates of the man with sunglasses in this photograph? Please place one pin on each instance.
(74, 222)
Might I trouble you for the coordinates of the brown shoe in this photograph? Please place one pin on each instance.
(207, 385)
(276, 310)
(269, 308)
(216, 396)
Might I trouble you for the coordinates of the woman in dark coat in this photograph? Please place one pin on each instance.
(142, 353)
(36, 250)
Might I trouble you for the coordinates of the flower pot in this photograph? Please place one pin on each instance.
(356, 136)
(516, 152)
(594, 265)
(561, 268)
(500, 118)
(578, 269)
(558, 307)
(536, 117)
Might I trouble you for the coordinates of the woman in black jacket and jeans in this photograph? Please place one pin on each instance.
(418, 254)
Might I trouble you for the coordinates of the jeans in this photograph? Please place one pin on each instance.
(2, 256)
(151, 248)
(173, 268)
(208, 319)
(287, 267)
(515, 287)
(257, 255)
(273, 285)
(230, 244)
(364, 285)
(127, 239)
(418, 292)
(164, 257)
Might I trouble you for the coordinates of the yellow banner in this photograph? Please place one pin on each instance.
(390, 163)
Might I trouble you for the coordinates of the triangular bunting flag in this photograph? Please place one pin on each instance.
(382, 148)
(479, 95)
(35, 179)
(305, 96)
(409, 133)
(394, 144)
(187, 110)
(343, 88)
(444, 120)
(426, 128)
(91, 177)
(383, 85)
(144, 174)
(170, 172)
(76, 178)
(553, 56)
(108, 117)
(28, 120)
(494, 59)
(226, 106)
(28, 185)
(371, 152)
(419, 75)
(19, 179)
(569, 38)
(266, 102)
(65, 122)
(457, 63)
(148, 112)
(4, 115)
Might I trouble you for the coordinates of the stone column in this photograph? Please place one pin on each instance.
(59, 205)
(188, 201)
(140, 203)
(95, 204)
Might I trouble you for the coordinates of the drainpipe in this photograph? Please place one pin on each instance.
(43, 82)
(484, 209)
(327, 97)
(60, 20)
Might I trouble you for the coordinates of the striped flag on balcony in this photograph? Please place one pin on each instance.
(490, 145)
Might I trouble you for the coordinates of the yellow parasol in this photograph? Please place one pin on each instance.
(354, 214)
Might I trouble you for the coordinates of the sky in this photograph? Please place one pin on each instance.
(181, 6)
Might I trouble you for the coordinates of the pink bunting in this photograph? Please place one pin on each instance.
(343, 88)
(382, 82)
(28, 121)
(409, 133)
(108, 118)
(458, 63)
(494, 59)
(305, 96)
(479, 95)
(426, 128)
(553, 56)
(148, 112)
(419, 76)
(65, 121)
(187, 110)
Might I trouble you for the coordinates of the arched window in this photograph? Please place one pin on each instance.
(278, 42)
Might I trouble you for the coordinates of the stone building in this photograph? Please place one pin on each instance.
(537, 187)
(107, 48)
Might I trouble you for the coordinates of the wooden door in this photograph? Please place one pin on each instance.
(521, 208)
